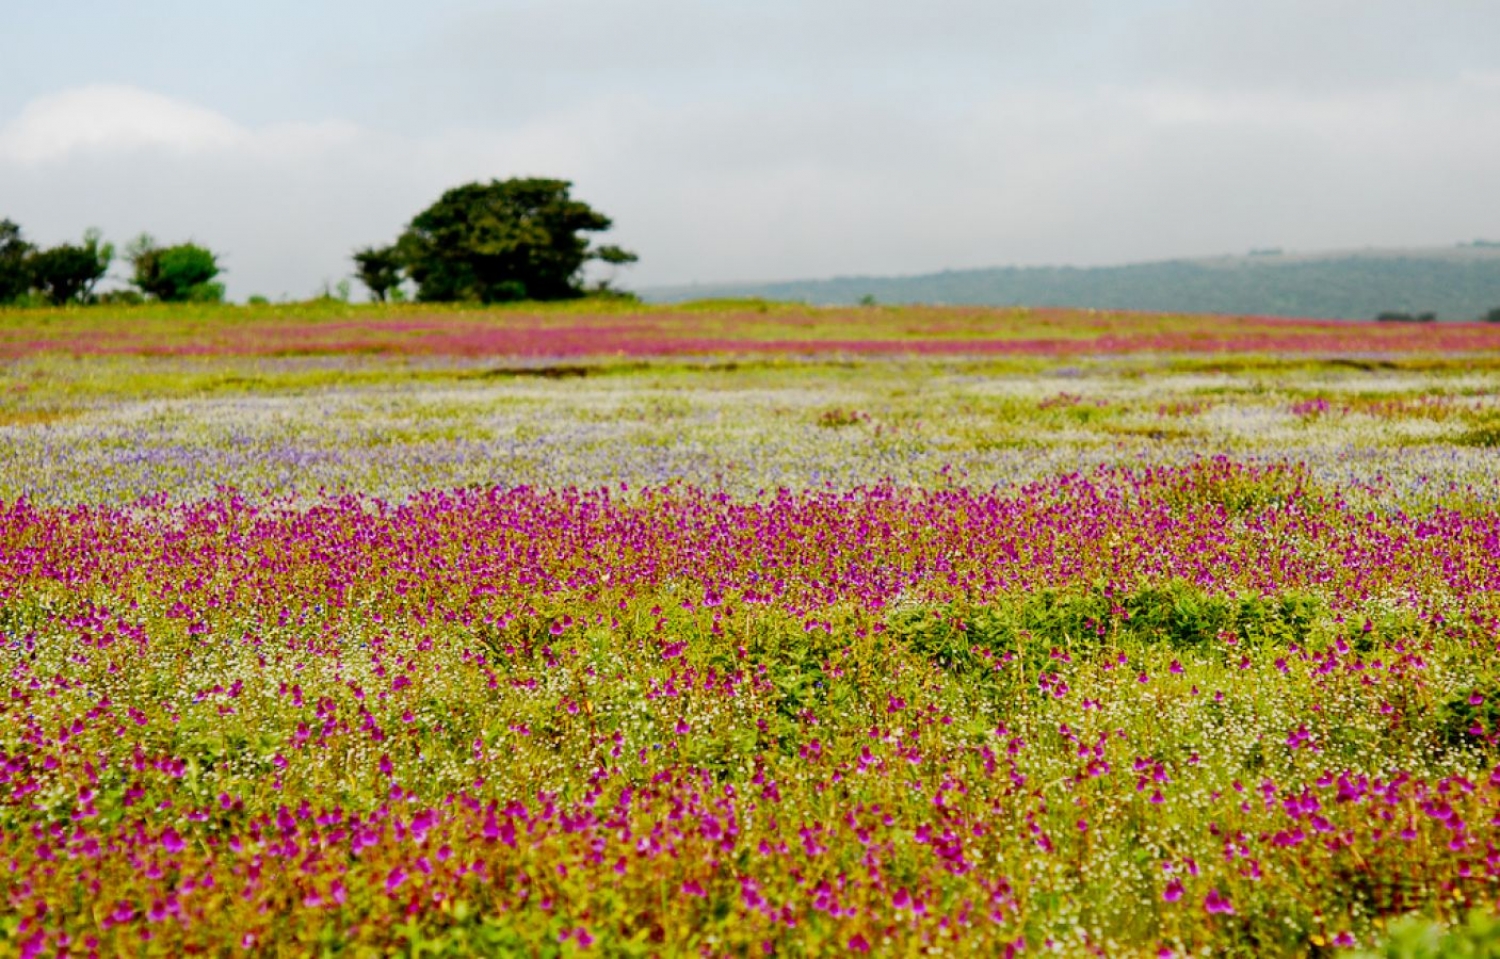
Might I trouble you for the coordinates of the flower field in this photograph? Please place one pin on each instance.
(790, 648)
(592, 329)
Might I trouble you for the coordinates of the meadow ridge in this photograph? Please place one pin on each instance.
(714, 631)
(594, 329)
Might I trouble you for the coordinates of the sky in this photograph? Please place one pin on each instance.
(733, 140)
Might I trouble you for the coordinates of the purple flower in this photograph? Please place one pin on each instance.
(394, 879)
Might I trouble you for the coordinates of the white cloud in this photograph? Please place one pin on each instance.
(113, 119)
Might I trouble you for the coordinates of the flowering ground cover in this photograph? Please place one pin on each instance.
(113, 430)
(1057, 655)
(591, 329)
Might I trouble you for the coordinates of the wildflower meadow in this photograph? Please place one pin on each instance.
(745, 629)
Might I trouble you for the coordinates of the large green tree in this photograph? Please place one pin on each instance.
(505, 240)
(67, 273)
(15, 262)
(175, 274)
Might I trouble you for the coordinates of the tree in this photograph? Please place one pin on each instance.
(1494, 315)
(67, 273)
(506, 240)
(379, 269)
(614, 256)
(174, 274)
(15, 266)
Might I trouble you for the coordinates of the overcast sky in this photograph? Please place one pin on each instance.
(769, 139)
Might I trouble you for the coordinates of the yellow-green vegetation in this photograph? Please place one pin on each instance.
(395, 425)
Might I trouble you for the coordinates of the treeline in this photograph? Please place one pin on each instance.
(1390, 316)
(506, 240)
(69, 272)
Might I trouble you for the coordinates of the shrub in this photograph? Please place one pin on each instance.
(183, 273)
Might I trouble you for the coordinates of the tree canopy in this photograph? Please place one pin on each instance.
(15, 268)
(175, 274)
(67, 273)
(505, 240)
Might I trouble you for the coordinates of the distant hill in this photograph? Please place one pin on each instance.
(1456, 283)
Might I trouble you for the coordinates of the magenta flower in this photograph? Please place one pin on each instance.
(394, 879)
(1216, 903)
(750, 894)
